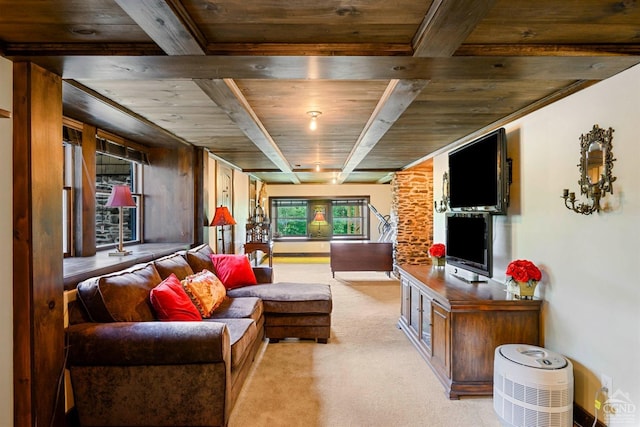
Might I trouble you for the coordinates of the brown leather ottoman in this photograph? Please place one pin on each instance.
(293, 310)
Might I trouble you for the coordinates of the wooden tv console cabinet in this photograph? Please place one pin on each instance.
(456, 325)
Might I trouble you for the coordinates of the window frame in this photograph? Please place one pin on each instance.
(135, 185)
(324, 205)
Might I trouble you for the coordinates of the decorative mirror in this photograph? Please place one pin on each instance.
(444, 203)
(596, 164)
(596, 161)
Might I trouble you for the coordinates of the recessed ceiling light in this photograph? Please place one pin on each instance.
(313, 125)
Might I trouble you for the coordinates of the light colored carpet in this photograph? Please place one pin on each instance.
(299, 260)
(367, 375)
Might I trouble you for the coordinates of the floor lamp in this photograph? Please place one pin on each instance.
(120, 197)
(221, 218)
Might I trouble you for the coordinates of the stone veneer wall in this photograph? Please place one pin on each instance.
(412, 212)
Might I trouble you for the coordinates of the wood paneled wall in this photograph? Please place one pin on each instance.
(169, 187)
(85, 190)
(38, 342)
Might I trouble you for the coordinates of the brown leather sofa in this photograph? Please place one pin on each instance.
(127, 369)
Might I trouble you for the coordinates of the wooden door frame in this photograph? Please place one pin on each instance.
(224, 197)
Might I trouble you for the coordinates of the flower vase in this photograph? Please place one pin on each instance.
(522, 290)
(438, 261)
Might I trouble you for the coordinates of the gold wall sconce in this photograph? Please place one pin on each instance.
(443, 205)
(596, 165)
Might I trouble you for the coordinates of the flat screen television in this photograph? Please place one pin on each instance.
(468, 244)
(479, 175)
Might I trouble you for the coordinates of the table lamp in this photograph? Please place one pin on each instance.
(120, 197)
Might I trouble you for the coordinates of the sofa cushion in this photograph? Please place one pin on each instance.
(175, 263)
(233, 270)
(205, 290)
(199, 258)
(239, 308)
(243, 334)
(171, 302)
(298, 298)
(122, 296)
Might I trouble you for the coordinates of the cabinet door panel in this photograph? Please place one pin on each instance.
(426, 323)
(441, 342)
(414, 320)
(405, 308)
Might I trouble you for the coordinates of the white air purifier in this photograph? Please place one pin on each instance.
(532, 386)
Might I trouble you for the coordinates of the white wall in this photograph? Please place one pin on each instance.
(6, 261)
(380, 198)
(590, 263)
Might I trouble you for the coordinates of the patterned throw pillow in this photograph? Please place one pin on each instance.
(171, 302)
(233, 270)
(205, 290)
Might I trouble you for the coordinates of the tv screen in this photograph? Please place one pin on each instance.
(478, 175)
(468, 243)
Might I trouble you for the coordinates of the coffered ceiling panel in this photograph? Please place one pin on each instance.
(395, 82)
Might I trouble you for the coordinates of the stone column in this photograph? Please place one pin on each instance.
(412, 211)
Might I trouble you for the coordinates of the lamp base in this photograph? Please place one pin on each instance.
(120, 253)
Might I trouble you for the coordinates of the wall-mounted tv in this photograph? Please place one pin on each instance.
(479, 175)
(468, 244)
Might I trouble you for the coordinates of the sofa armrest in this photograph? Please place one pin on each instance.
(263, 274)
(148, 343)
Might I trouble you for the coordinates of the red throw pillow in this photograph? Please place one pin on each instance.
(233, 270)
(171, 302)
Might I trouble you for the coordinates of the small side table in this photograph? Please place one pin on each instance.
(266, 247)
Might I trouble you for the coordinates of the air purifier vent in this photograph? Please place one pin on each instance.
(532, 387)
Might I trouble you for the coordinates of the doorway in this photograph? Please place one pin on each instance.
(224, 192)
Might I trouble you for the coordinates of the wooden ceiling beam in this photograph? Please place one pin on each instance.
(226, 94)
(102, 112)
(101, 49)
(334, 67)
(168, 24)
(308, 49)
(447, 24)
(548, 50)
(396, 99)
(317, 49)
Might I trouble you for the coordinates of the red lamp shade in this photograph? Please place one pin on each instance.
(319, 218)
(222, 217)
(120, 197)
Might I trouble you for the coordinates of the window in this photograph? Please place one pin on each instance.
(349, 219)
(320, 219)
(70, 137)
(117, 162)
(112, 171)
(67, 199)
(290, 218)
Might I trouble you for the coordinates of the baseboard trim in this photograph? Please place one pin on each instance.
(583, 418)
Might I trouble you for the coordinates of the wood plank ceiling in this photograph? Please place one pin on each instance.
(395, 82)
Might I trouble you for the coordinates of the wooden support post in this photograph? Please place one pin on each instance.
(38, 342)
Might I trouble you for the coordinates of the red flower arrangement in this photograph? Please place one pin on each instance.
(523, 271)
(437, 250)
